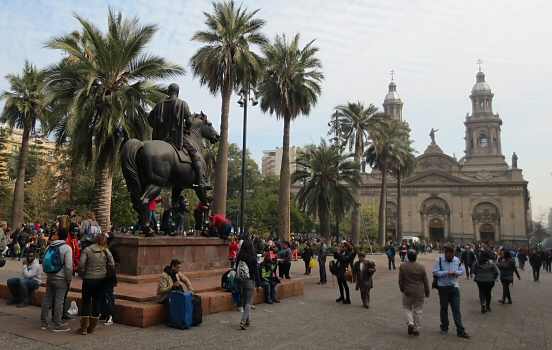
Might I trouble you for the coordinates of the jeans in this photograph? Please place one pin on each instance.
(64, 304)
(58, 286)
(22, 255)
(152, 219)
(536, 272)
(485, 289)
(522, 265)
(365, 297)
(506, 289)
(92, 290)
(413, 310)
(225, 230)
(108, 302)
(391, 261)
(20, 287)
(323, 277)
(269, 290)
(450, 295)
(248, 288)
(342, 283)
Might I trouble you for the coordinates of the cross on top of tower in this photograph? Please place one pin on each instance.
(479, 63)
(392, 74)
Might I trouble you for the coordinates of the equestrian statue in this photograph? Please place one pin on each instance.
(172, 159)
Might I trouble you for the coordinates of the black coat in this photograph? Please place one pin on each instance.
(307, 254)
(535, 260)
(343, 260)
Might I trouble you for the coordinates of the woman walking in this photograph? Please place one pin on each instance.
(343, 259)
(93, 270)
(248, 257)
(485, 272)
(507, 268)
(307, 256)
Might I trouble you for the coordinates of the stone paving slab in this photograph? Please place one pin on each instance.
(316, 321)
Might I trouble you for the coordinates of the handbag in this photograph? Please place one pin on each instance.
(312, 263)
(349, 275)
(111, 275)
(435, 283)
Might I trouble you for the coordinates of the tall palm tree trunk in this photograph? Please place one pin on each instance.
(382, 229)
(399, 208)
(324, 218)
(103, 187)
(355, 217)
(221, 165)
(19, 191)
(284, 205)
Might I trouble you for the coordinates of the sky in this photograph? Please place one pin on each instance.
(433, 47)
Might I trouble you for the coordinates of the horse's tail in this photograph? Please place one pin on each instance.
(130, 169)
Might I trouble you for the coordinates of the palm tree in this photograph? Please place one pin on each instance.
(223, 65)
(101, 92)
(330, 178)
(24, 107)
(401, 168)
(291, 87)
(387, 147)
(355, 122)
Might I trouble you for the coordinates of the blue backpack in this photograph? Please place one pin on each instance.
(53, 262)
(93, 231)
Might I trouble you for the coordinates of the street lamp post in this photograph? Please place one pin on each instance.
(244, 96)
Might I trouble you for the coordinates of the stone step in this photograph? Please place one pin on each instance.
(150, 313)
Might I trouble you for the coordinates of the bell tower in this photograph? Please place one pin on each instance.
(392, 104)
(483, 143)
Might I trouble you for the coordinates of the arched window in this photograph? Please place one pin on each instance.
(483, 142)
(481, 104)
(488, 103)
(474, 104)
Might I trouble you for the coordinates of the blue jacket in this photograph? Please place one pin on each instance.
(442, 271)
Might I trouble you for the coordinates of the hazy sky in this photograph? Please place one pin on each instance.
(432, 46)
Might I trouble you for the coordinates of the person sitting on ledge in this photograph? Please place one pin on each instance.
(171, 279)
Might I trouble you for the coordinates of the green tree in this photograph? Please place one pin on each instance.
(401, 168)
(355, 122)
(101, 93)
(290, 88)
(223, 64)
(6, 192)
(388, 146)
(24, 107)
(330, 179)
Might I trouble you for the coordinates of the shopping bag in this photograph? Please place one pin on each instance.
(312, 263)
(73, 309)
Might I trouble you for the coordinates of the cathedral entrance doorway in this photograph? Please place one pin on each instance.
(391, 231)
(487, 234)
(436, 230)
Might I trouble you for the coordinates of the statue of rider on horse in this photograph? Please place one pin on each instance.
(172, 159)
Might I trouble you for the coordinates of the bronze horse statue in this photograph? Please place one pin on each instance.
(150, 166)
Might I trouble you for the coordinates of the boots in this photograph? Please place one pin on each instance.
(93, 324)
(84, 321)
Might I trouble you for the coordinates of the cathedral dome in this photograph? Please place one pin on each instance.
(481, 85)
(392, 95)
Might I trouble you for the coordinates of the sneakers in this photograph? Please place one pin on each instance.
(269, 301)
(275, 300)
(20, 305)
(61, 328)
(253, 307)
(464, 335)
(243, 325)
(67, 317)
(109, 321)
(44, 326)
(443, 332)
(239, 309)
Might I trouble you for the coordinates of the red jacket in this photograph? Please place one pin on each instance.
(74, 244)
(201, 207)
(153, 203)
(217, 220)
(233, 250)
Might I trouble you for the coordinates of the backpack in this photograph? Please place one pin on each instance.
(333, 267)
(242, 271)
(53, 263)
(230, 282)
(389, 251)
(94, 230)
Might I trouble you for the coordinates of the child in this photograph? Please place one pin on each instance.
(362, 274)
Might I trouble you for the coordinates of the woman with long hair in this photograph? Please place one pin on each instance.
(93, 270)
(485, 272)
(248, 257)
(343, 259)
(507, 268)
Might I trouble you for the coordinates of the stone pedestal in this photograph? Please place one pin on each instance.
(142, 256)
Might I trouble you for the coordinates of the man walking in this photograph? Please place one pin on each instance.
(468, 258)
(58, 281)
(535, 261)
(414, 285)
(29, 281)
(322, 261)
(390, 251)
(447, 269)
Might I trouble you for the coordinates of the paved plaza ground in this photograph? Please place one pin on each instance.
(316, 321)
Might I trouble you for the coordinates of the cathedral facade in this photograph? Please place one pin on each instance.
(478, 198)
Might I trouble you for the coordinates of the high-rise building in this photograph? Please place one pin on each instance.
(272, 161)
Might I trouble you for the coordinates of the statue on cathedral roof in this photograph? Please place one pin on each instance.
(432, 135)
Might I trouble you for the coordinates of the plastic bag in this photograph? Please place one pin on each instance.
(73, 309)
(312, 263)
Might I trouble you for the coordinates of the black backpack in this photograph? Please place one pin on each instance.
(333, 267)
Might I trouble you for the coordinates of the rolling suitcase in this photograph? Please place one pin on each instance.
(197, 316)
(180, 309)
